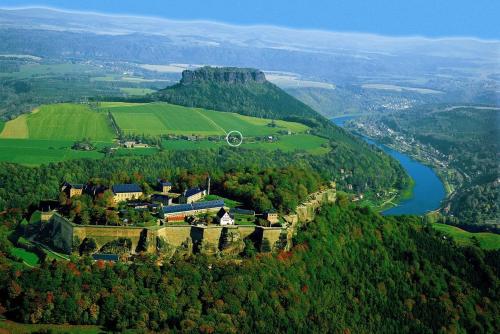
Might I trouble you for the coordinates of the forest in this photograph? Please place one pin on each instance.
(22, 187)
(395, 273)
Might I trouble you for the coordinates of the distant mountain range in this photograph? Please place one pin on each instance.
(327, 55)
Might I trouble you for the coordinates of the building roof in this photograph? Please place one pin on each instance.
(160, 196)
(105, 257)
(242, 211)
(126, 188)
(221, 212)
(73, 185)
(166, 183)
(193, 206)
(192, 191)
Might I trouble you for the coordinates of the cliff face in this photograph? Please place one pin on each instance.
(231, 75)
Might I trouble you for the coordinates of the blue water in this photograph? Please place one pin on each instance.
(428, 191)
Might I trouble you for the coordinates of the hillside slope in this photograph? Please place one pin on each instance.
(247, 92)
(240, 90)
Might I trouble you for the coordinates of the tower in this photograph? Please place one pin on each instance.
(208, 185)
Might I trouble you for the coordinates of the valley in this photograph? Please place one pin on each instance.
(186, 173)
(459, 142)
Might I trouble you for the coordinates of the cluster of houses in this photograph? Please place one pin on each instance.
(189, 203)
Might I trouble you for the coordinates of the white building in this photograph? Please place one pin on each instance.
(223, 217)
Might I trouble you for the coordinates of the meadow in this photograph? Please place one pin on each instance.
(300, 142)
(61, 122)
(47, 133)
(162, 118)
(34, 152)
(31, 259)
(489, 241)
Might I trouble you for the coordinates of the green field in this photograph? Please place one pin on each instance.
(486, 240)
(162, 118)
(61, 122)
(30, 258)
(47, 134)
(309, 143)
(35, 152)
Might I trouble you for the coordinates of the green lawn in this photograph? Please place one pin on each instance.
(227, 202)
(164, 118)
(35, 152)
(311, 144)
(486, 240)
(30, 258)
(18, 328)
(61, 122)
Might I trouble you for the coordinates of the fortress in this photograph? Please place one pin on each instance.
(209, 239)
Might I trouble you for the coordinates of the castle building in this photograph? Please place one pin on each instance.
(161, 198)
(165, 186)
(72, 189)
(271, 216)
(192, 195)
(223, 217)
(125, 192)
(179, 212)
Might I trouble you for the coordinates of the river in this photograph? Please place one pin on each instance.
(428, 192)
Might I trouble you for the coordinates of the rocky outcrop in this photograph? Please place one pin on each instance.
(231, 75)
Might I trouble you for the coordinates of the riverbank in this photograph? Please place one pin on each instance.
(424, 193)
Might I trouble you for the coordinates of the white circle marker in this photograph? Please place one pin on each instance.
(237, 133)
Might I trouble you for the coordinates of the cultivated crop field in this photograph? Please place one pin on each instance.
(61, 122)
(47, 134)
(162, 118)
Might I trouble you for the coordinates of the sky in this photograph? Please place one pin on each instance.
(430, 18)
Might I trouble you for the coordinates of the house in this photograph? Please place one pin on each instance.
(192, 195)
(272, 216)
(125, 192)
(161, 198)
(72, 189)
(129, 144)
(223, 217)
(165, 186)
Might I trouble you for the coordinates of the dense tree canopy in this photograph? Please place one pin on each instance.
(350, 270)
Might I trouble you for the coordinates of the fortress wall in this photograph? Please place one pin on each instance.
(175, 235)
(64, 230)
(272, 234)
(247, 231)
(105, 234)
